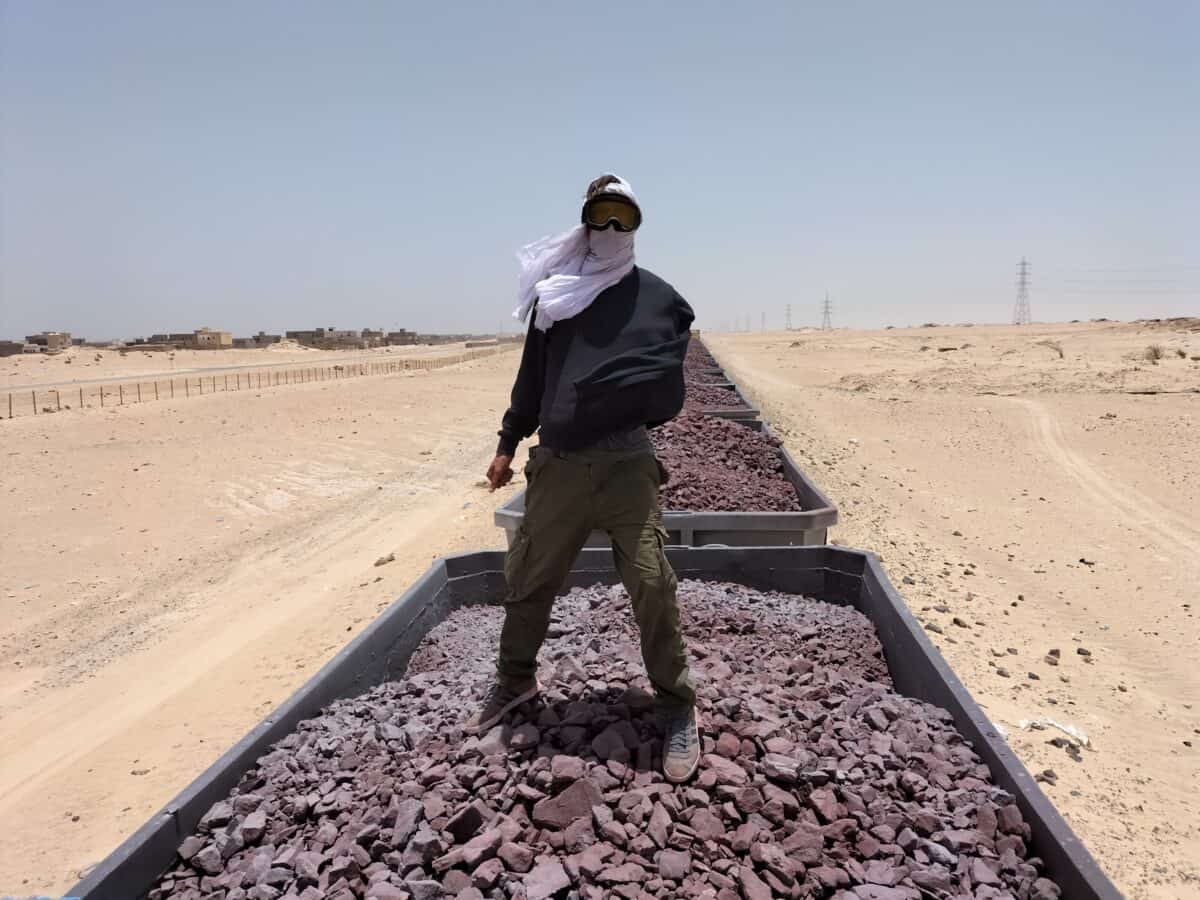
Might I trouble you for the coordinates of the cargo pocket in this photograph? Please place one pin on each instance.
(539, 460)
(516, 565)
(668, 573)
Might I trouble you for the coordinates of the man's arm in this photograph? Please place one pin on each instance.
(524, 411)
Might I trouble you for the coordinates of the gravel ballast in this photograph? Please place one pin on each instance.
(692, 376)
(698, 357)
(817, 779)
(710, 396)
(718, 465)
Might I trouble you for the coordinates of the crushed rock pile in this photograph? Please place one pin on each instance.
(817, 780)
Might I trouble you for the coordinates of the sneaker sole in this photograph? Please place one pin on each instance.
(488, 724)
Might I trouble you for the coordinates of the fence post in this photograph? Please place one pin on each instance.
(155, 388)
(101, 396)
(10, 404)
(121, 388)
(172, 387)
(80, 398)
(187, 388)
(33, 394)
(139, 387)
(226, 381)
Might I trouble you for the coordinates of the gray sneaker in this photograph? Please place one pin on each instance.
(681, 745)
(501, 699)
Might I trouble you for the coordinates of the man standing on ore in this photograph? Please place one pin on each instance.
(603, 361)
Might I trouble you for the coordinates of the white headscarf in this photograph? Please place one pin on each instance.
(565, 272)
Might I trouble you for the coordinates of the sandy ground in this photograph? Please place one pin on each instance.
(984, 477)
(88, 365)
(172, 571)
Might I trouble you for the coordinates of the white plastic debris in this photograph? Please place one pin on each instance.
(1071, 731)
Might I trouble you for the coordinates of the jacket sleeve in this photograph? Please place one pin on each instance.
(523, 415)
(685, 314)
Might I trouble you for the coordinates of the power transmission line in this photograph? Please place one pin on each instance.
(827, 314)
(1021, 310)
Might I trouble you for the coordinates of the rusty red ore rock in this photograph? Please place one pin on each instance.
(698, 356)
(699, 367)
(719, 465)
(817, 779)
(710, 396)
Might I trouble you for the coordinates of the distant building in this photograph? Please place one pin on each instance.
(401, 338)
(373, 338)
(200, 339)
(328, 338)
(178, 338)
(11, 348)
(262, 339)
(308, 338)
(50, 341)
(207, 339)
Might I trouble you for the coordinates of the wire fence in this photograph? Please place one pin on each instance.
(122, 392)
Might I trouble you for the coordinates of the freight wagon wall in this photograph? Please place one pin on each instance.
(382, 651)
(809, 527)
(378, 654)
(746, 411)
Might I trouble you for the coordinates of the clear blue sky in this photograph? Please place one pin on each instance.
(283, 165)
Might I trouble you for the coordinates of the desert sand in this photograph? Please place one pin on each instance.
(1025, 497)
(173, 570)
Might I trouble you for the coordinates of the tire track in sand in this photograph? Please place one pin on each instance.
(1171, 531)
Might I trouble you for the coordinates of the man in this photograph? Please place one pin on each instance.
(603, 360)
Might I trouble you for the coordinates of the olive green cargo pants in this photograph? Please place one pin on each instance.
(569, 496)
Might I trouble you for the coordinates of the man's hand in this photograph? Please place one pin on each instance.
(500, 472)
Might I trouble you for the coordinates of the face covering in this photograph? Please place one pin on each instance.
(608, 244)
(564, 273)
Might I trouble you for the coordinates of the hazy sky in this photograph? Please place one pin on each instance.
(285, 165)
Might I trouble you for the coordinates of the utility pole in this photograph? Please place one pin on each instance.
(787, 317)
(827, 314)
(1021, 309)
